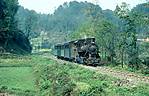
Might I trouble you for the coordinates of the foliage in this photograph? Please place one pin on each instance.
(117, 33)
(9, 33)
(53, 80)
(17, 76)
(77, 14)
(106, 38)
(27, 21)
(60, 79)
(56, 25)
(57, 78)
(97, 26)
(130, 39)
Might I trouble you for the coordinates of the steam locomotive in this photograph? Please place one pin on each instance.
(83, 51)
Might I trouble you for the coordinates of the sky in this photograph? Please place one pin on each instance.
(48, 6)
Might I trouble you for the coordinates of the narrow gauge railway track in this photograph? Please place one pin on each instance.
(124, 76)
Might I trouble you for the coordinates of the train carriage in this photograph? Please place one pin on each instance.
(81, 51)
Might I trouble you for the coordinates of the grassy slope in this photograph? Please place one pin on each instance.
(68, 79)
(141, 71)
(17, 77)
(16, 74)
(54, 79)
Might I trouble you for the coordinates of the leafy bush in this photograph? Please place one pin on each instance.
(69, 80)
(57, 79)
(53, 80)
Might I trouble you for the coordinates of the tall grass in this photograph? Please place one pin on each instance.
(70, 80)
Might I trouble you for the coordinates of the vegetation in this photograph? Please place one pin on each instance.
(67, 79)
(121, 36)
(91, 21)
(17, 76)
(11, 38)
(118, 40)
(45, 77)
(12, 77)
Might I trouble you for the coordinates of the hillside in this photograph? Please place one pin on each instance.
(44, 76)
(57, 25)
(61, 26)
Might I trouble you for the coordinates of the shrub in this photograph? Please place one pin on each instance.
(54, 80)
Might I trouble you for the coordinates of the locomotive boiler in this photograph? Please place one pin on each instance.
(83, 51)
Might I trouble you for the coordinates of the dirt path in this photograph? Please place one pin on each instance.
(125, 77)
(6, 94)
(128, 77)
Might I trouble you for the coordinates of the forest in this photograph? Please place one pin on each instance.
(122, 36)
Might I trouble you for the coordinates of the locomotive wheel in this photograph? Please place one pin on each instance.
(91, 62)
(87, 61)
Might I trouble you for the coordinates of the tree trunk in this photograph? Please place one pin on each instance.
(102, 52)
(122, 59)
(6, 43)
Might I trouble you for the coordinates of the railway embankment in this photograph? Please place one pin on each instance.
(129, 77)
(118, 83)
(48, 76)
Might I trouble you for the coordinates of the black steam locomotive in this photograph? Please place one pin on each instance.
(83, 51)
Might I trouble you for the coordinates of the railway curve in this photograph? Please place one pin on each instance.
(129, 78)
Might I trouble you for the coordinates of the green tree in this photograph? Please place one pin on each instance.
(106, 39)
(9, 8)
(129, 42)
(30, 23)
(11, 38)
